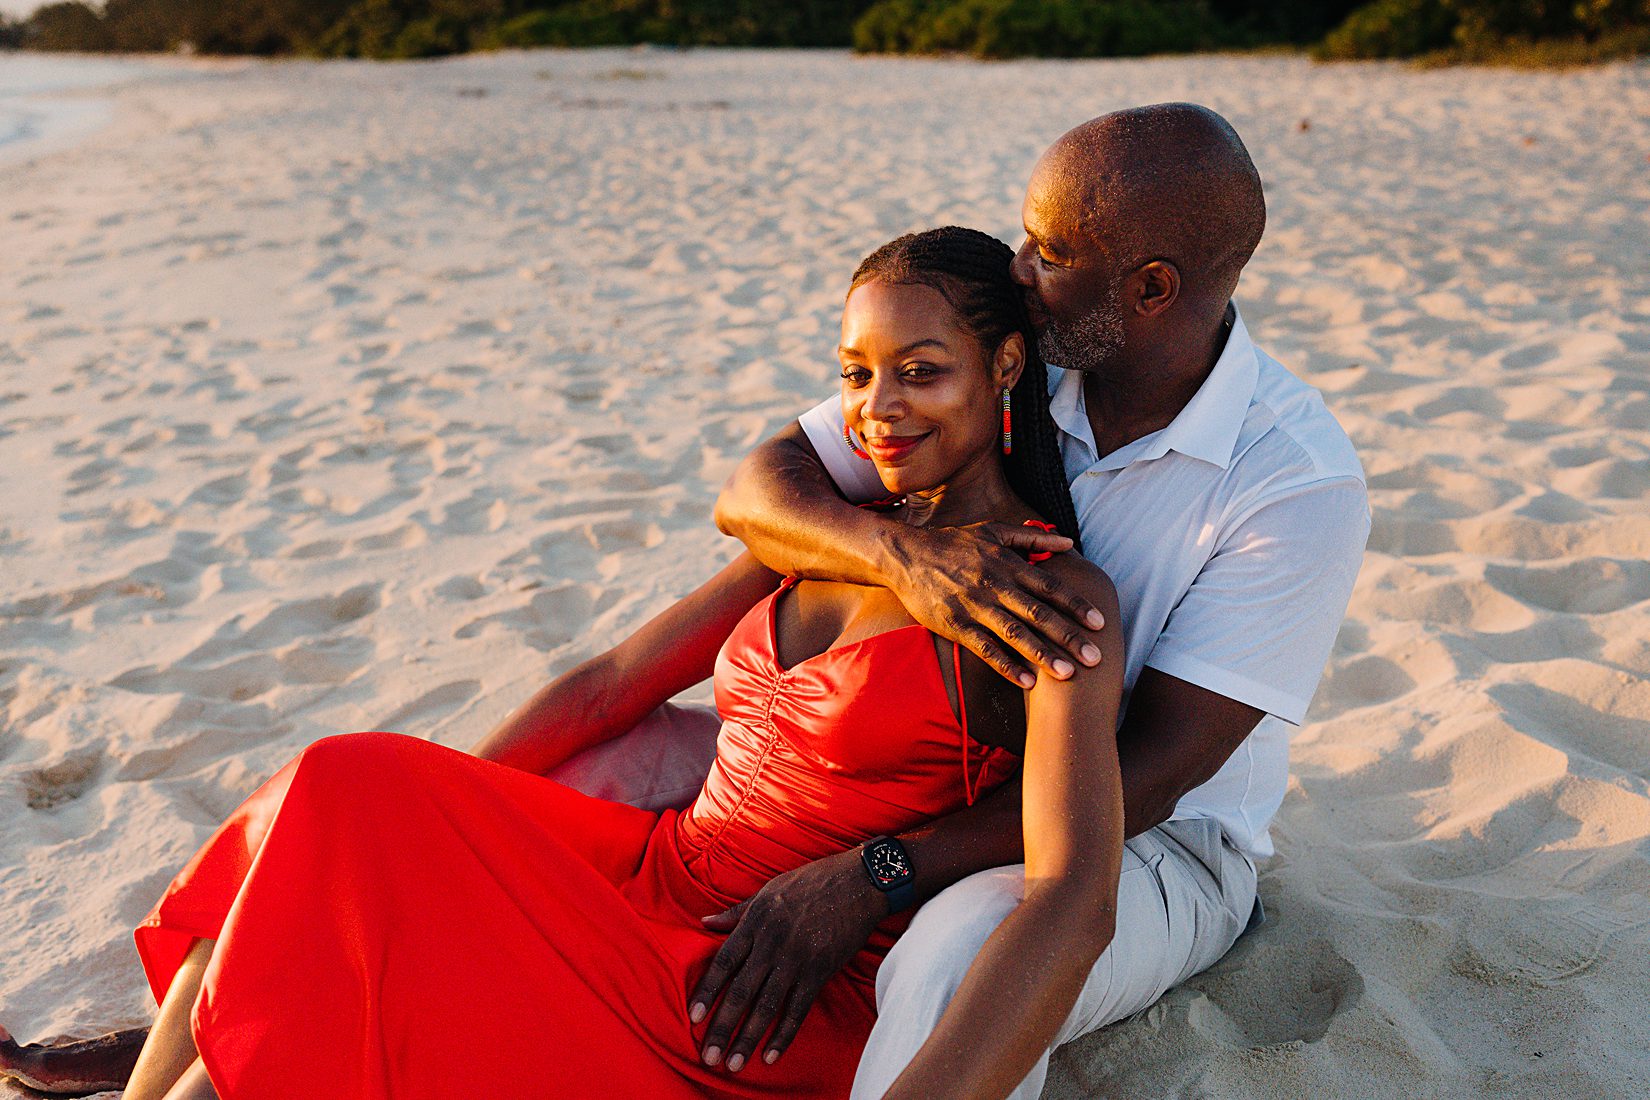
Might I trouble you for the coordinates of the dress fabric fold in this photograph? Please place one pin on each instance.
(399, 920)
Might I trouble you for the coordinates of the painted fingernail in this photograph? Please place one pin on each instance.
(1091, 654)
(771, 1057)
(736, 1063)
(1096, 620)
(696, 1013)
(1027, 680)
(713, 1055)
(1063, 669)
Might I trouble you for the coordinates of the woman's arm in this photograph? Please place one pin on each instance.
(609, 694)
(1028, 975)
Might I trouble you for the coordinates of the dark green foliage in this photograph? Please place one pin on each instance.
(210, 26)
(890, 26)
(1298, 22)
(392, 29)
(684, 23)
(1042, 28)
(1526, 31)
(586, 24)
(67, 26)
(1481, 21)
(1390, 28)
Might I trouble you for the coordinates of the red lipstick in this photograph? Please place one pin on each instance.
(890, 448)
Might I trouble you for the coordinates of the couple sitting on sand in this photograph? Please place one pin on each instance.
(1042, 689)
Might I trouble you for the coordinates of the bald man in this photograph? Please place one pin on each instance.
(1211, 484)
(1213, 487)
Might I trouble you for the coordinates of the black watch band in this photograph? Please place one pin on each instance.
(889, 866)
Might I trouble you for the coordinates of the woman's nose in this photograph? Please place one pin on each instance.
(882, 400)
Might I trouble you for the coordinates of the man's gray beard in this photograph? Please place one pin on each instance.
(1087, 343)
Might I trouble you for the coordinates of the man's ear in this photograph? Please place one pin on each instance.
(1010, 361)
(1156, 287)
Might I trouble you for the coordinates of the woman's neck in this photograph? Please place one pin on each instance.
(975, 494)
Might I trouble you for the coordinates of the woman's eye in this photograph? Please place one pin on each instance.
(918, 371)
(857, 376)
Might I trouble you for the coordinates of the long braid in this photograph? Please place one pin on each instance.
(971, 270)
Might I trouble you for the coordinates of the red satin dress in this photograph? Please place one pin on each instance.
(398, 919)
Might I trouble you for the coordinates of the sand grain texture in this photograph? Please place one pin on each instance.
(355, 396)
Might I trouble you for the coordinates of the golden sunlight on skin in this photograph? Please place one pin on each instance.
(910, 376)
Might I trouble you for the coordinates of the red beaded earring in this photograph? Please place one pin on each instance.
(1008, 426)
(848, 438)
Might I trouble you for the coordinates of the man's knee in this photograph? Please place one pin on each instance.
(928, 963)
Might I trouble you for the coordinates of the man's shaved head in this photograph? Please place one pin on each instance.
(1171, 181)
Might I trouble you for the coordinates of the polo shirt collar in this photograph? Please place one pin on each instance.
(1206, 429)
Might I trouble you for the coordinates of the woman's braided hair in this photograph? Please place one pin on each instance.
(971, 270)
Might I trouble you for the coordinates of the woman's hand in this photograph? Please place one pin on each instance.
(786, 942)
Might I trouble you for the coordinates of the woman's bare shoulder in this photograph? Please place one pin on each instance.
(1090, 581)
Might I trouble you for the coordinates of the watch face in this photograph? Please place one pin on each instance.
(888, 863)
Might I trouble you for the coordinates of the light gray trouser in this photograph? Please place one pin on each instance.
(1183, 898)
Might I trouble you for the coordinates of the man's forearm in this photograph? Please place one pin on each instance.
(783, 506)
(985, 835)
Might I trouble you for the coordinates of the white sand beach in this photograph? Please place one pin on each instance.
(367, 396)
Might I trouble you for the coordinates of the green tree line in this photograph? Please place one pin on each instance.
(1561, 30)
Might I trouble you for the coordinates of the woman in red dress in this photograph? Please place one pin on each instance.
(387, 917)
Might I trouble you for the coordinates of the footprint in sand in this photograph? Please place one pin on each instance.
(234, 681)
(1404, 536)
(287, 645)
(462, 587)
(320, 548)
(480, 512)
(550, 619)
(1591, 586)
(222, 491)
(1592, 473)
(396, 538)
(1364, 682)
(432, 706)
(1307, 986)
(50, 786)
(1584, 709)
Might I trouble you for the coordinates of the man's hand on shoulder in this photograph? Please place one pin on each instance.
(973, 585)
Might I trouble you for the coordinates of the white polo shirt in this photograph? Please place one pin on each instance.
(1234, 536)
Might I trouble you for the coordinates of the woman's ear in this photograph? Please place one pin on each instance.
(1010, 361)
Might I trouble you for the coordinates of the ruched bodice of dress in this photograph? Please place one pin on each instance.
(855, 742)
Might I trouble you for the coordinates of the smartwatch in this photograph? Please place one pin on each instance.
(890, 870)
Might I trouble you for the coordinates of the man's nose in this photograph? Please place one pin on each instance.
(1019, 269)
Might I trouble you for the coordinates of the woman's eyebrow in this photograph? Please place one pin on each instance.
(926, 342)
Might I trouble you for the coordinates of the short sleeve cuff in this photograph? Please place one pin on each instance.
(1291, 708)
(856, 478)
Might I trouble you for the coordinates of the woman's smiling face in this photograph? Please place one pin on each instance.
(918, 389)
